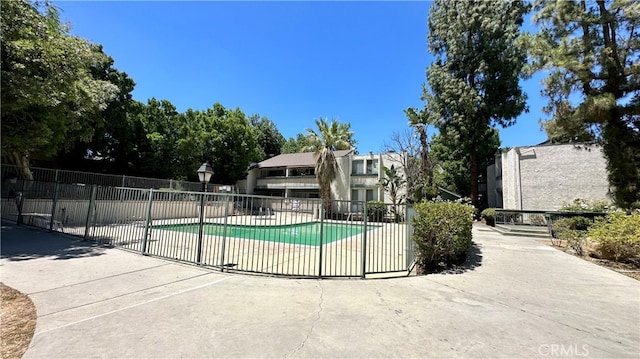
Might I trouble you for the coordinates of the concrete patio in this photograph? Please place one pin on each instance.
(515, 298)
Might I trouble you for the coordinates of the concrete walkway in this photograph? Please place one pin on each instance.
(517, 298)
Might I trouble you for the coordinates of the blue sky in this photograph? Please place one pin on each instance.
(292, 62)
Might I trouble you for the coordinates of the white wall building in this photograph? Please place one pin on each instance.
(548, 176)
(293, 176)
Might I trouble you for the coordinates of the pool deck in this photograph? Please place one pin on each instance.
(386, 252)
(277, 218)
(516, 298)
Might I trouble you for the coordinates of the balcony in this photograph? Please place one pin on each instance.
(288, 182)
(364, 181)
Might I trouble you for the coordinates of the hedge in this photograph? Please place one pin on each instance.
(442, 233)
(618, 236)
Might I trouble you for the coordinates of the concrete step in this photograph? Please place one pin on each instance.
(523, 231)
(522, 228)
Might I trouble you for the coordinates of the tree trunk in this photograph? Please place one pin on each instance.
(621, 148)
(425, 166)
(474, 180)
(22, 163)
(326, 196)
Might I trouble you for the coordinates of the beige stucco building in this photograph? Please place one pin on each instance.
(547, 176)
(293, 176)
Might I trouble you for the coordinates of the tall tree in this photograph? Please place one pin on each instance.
(49, 97)
(393, 182)
(117, 140)
(270, 140)
(406, 144)
(329, 137)
(420, 170)
(592, 49)
(454, 162)
(114, 146)
(157, 150)
(474, 79)
(220, 136)
(294, 145)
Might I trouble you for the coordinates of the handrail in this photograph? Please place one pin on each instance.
(537, 217)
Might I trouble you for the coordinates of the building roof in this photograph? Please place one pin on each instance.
(302, 159)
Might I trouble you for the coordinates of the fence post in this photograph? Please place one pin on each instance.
(224, 231)
(54, 205)
(147, 224)
(200, 228)
(364, 242)
(94, 190)
(20, 202)
(409, 241)
(321, 212)
(122, 191)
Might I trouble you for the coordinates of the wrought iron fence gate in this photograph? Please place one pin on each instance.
(270, 235)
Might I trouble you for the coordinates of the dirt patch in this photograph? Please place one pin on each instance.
(627, 269)
(18, 316)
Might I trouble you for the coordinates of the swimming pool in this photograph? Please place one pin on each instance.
(301, 233)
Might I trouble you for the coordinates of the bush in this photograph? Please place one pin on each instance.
(582, 205)
(573, 223)
(489, 216)
(573, 230)
(442, 233)
(376, 211)
(618, 236)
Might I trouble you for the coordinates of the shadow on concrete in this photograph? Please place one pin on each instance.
(21, 243)
(473, 260)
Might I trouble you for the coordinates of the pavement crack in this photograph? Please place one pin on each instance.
(313, 325)
(513, 307)
(138, 304)
(104, 300)
(101, 278)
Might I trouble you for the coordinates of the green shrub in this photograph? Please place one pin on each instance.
(573, 230)
(442, 233)
(618, 236)
(576, 240)
(376, 211)
(599, 206)
(582, 205)
(574, 223)
(489, 216)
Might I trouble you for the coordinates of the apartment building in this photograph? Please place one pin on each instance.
(547, 176)
(293, 176)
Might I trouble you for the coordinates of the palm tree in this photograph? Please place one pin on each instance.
(392, 183)
(329, 137)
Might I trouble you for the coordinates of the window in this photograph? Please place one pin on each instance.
(357, 167)
(272, 173)
(356, 205)
(359, 196)
(372, 195)
(301, 172)
(361, 167)
(372, 167)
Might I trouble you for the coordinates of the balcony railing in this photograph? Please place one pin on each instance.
(364, 181)
(288, 182)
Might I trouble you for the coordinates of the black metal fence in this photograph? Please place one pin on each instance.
(10, 173)
(521, 217)
(539, 218)
(231, 232)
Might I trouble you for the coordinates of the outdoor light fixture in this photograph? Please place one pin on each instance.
(205, 172)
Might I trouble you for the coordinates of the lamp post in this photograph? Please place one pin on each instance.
(204, 174)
